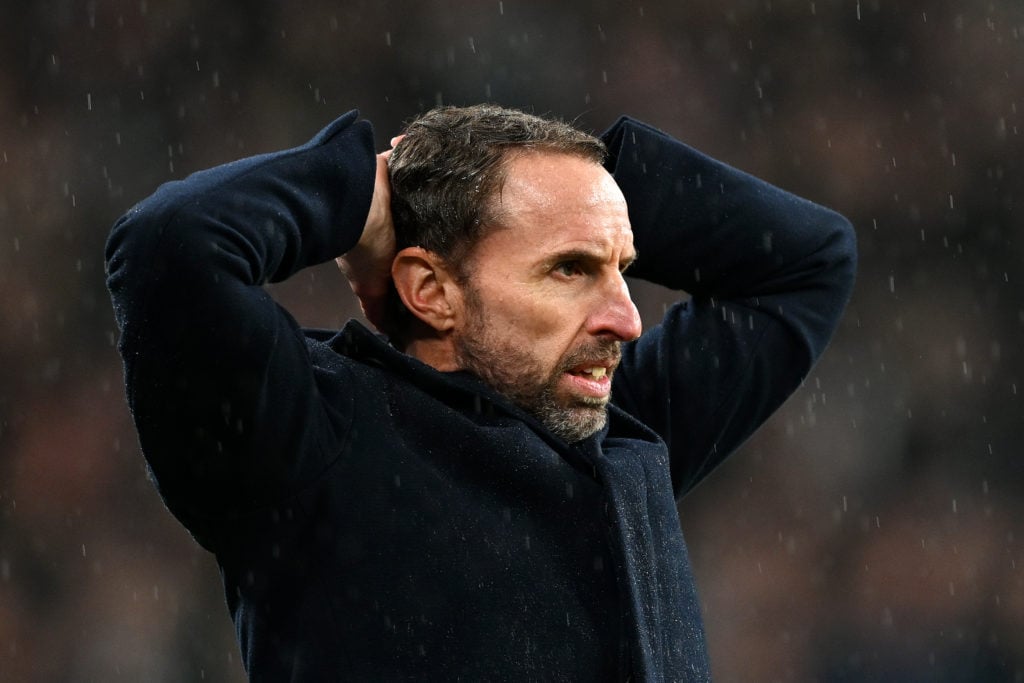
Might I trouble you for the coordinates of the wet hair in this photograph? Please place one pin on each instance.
(450, 165)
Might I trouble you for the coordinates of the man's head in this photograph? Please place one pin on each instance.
(452, 162)
(512, 238)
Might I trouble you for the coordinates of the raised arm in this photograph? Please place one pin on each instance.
(769, 275)
(219, 379)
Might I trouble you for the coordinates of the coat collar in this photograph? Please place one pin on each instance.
(464, 389)
(460, 388)
(356, 341)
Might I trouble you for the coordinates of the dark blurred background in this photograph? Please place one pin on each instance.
(871, 531)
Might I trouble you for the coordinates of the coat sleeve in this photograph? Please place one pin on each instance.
(229, 408)
(769, 275)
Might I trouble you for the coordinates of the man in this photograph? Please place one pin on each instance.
(477, 499)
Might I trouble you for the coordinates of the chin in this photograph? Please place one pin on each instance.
(576, 424)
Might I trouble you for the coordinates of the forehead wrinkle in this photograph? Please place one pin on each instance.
(542, 160)
(532, 197)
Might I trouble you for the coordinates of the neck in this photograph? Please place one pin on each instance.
(438, 353)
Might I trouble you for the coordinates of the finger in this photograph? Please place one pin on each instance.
(395, 140)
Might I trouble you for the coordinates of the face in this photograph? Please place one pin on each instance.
(546, 306)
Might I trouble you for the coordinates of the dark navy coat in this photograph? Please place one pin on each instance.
(375, 519)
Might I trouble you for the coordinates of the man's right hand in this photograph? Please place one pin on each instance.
(368, 264)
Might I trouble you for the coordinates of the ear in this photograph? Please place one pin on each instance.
(427, 287)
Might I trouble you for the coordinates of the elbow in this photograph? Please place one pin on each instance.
(840, 256)
(120, 242)
(136, 237)
(136, 254)
(131, 247)
(828, 292)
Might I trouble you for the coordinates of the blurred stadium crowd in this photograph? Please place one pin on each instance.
(871, 531)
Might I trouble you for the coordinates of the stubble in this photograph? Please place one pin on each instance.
(506, 365)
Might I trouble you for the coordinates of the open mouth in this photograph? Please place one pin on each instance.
(593, 372)
(591, 380)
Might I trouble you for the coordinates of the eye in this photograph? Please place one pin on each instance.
(569, 268)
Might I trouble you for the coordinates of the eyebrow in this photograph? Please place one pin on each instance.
(583, 254)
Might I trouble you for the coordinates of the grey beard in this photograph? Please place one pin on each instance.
(513, 372)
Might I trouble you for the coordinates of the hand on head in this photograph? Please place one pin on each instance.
(368, 265)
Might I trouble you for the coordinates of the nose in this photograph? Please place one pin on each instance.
(615, 315)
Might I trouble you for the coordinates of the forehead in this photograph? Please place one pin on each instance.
(549, 199)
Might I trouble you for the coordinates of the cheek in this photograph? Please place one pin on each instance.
(547, 333)
(540, 322)
(538, 317)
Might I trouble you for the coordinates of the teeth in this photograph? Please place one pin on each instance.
(596, 372)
